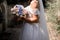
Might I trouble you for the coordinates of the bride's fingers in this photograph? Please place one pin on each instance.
(25, 12)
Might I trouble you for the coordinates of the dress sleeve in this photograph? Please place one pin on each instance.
(37, 12)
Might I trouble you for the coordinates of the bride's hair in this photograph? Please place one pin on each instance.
(38, 6)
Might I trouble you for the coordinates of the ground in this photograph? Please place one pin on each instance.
(53, 35)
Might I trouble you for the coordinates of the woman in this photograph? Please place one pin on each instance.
(31, 27)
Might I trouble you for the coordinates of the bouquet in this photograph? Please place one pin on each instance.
(18, 9)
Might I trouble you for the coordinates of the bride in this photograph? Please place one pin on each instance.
(31, 27)
(33, 30)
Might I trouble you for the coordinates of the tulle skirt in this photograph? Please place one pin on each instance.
(32, 31)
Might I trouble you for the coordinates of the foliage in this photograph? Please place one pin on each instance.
(51, 11)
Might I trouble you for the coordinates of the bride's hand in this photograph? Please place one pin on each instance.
(14, 10)
(25, 11)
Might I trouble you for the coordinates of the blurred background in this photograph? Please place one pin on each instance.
(52, 15)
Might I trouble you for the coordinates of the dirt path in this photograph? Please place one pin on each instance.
(51, 31)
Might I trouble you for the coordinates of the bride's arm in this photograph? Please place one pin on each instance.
(32, 18)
